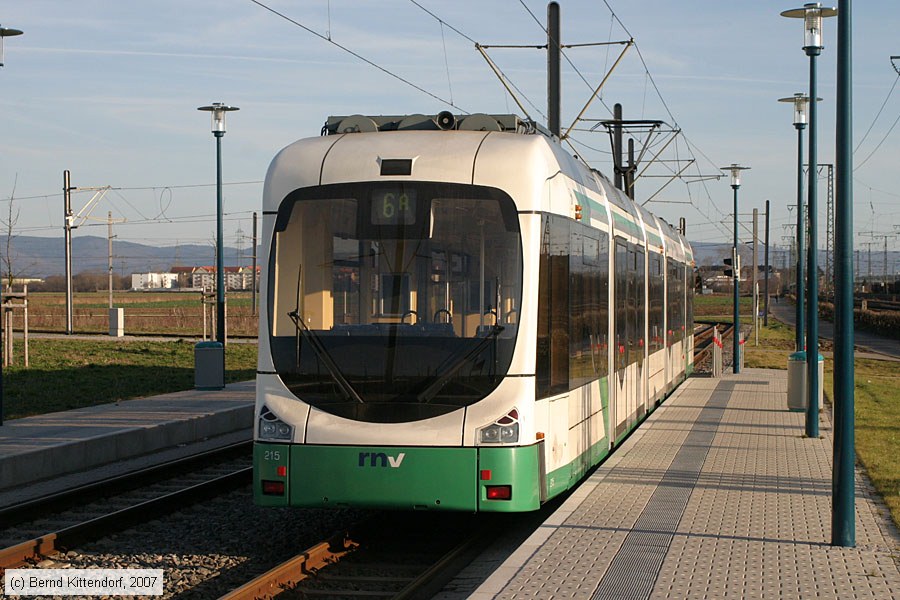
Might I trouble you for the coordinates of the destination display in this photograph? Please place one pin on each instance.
(394, 207)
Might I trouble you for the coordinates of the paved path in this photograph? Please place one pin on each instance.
(717, 495)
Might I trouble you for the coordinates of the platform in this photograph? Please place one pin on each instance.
(55, 445)
(717, 495)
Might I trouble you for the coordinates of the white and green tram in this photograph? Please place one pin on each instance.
(456, 314)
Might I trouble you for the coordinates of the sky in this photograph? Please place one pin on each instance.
(109, 90)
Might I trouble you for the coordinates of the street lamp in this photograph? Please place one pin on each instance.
(4, 33)
(812, 14)
(218, 110)
(801, 106)
(735, 184)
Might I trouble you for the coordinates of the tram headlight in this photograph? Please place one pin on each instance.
(504, 430)
(273, 428)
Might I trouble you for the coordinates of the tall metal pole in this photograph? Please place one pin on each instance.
(109, 254)
(736, 366)
(801, 235)
(754, 293)
(843, 525)
(220, 261)
(617, 146)
(553, 69)
(812, 277)
(253, 277)
(67, 224)
(766, 309)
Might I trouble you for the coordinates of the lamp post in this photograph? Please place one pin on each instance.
(4, 32)
(843, 512)
(736, 264)
(812, 14)
(801, 104)
(218, 110)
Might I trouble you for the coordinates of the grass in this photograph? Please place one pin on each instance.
(877, 407)
(720, 307)
(70, 373)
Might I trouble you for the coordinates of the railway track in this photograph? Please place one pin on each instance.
(31, 531)
(396, 556)
(703, 339)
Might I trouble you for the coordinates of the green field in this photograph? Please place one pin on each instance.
(72, 373)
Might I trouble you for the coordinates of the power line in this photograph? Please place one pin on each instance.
(127, 189)
(357, 55)
(883, 104)
(871, 154)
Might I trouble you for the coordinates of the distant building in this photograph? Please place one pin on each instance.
(185, 276)
(204, 277)
(153, 281)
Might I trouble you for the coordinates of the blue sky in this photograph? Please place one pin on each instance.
(109, 90)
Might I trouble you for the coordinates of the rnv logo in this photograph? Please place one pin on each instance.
(380, 459)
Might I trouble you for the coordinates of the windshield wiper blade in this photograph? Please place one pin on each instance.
(431, 391)
(325, 357)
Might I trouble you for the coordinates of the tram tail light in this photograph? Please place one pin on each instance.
(499, 492)
(272, 488)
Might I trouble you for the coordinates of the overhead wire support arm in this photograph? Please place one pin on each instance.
(85, 212)
(671, 139)
(666, 184)
(606, 77)
(502, 79)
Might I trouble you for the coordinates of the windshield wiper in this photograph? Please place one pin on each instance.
(326, 359)
(431, 391)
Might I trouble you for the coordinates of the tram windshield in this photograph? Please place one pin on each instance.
(396, 301)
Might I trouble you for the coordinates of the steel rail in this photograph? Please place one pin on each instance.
(317, 561)
(37, 548)
(294, 570)
(703, 341)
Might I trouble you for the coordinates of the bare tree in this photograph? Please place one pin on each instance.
(9, 224)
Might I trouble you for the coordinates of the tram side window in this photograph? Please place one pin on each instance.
(690, 304)
(636, 275)
(601, 340)
(657, 301)
(621, 303)
(674, 314)
(588, 298)
(682, 272)
(552, 360)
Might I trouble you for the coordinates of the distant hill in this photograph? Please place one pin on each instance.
(43, 256)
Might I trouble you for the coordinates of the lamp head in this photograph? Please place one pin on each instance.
(217, 111)
(735, 173)
(812, 14)
(801, 108)
(4, 33)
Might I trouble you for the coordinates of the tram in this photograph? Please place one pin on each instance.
(456, 314)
